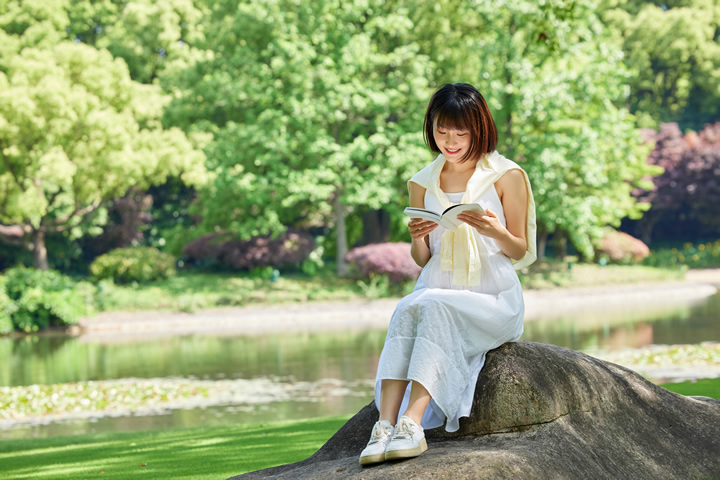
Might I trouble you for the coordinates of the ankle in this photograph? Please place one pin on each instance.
(414, 418)
(391, 420)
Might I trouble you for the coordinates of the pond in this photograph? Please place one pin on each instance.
(336, 367)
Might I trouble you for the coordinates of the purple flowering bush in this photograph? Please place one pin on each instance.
(391, 259)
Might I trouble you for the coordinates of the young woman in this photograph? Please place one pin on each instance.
(468, 299)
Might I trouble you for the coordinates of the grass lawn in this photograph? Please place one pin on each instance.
(554, 274)
(704, 387)
(197, 453)
(191, 290)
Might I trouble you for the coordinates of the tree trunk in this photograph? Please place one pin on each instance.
(376, 227)
(561, 246)
(39, 250)
(340, 235)
(542, 238)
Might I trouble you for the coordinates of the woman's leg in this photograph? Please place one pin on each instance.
(409, 438)
(419, 401)
(391, 395)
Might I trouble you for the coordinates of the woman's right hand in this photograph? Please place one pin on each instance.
(419, 228)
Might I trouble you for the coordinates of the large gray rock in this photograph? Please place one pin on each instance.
(544, 412)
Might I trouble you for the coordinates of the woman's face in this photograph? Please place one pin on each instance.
(453, 143)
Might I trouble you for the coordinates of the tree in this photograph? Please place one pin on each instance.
(75, 132)
(154, 38)
(556, 84)
(316, 110)
(672, 46)
(685, 197)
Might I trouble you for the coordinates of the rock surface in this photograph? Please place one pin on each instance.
(544, 412)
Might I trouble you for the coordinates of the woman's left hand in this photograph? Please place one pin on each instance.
(488, 224)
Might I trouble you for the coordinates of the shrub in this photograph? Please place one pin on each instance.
(704, 255)
(7, 308)
(619, 247)
(391, 259)
(291, 248)
(44, 298)
(138, 264)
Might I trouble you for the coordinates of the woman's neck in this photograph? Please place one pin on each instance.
(454, 176)
(460, 168)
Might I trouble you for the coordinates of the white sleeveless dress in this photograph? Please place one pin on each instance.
(440, 333)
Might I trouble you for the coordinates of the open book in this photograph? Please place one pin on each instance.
(448, 218)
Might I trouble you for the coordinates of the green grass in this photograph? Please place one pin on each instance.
(548, 274)
(704, 387)
(191, 291)
(198, 453)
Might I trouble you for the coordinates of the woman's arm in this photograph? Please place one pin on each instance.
(419, 229)
(513, 194)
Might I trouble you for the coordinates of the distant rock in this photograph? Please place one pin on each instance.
(544, 412)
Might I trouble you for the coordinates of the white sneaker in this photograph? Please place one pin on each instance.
(381, 435)
(408, 440)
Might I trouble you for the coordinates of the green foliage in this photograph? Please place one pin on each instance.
(380, 286)
(309, 103)
(673, 49)
(134, 264)
(44, 298)
(311, 111)
(172, 226)
(7, 308)
(76, 131)
(151, 37)
(314, 263)
(560, 111)
(703, 255)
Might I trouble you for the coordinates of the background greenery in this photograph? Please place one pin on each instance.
(127, 123)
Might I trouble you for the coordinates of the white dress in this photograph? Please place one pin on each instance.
(440, 333)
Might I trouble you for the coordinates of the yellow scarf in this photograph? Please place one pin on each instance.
(460, 250)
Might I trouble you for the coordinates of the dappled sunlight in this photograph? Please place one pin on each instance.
(59, 449)
(223, 450)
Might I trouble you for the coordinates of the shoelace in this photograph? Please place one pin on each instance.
(404, 431)
(379, 433)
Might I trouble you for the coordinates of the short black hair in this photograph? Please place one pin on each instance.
(461, 106)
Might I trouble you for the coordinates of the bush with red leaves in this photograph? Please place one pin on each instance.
(289, 249)
(391, 259)
(685, 197)
(619, 247)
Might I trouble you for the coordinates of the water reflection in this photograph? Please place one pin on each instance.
(616, 328)
(302, 357)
